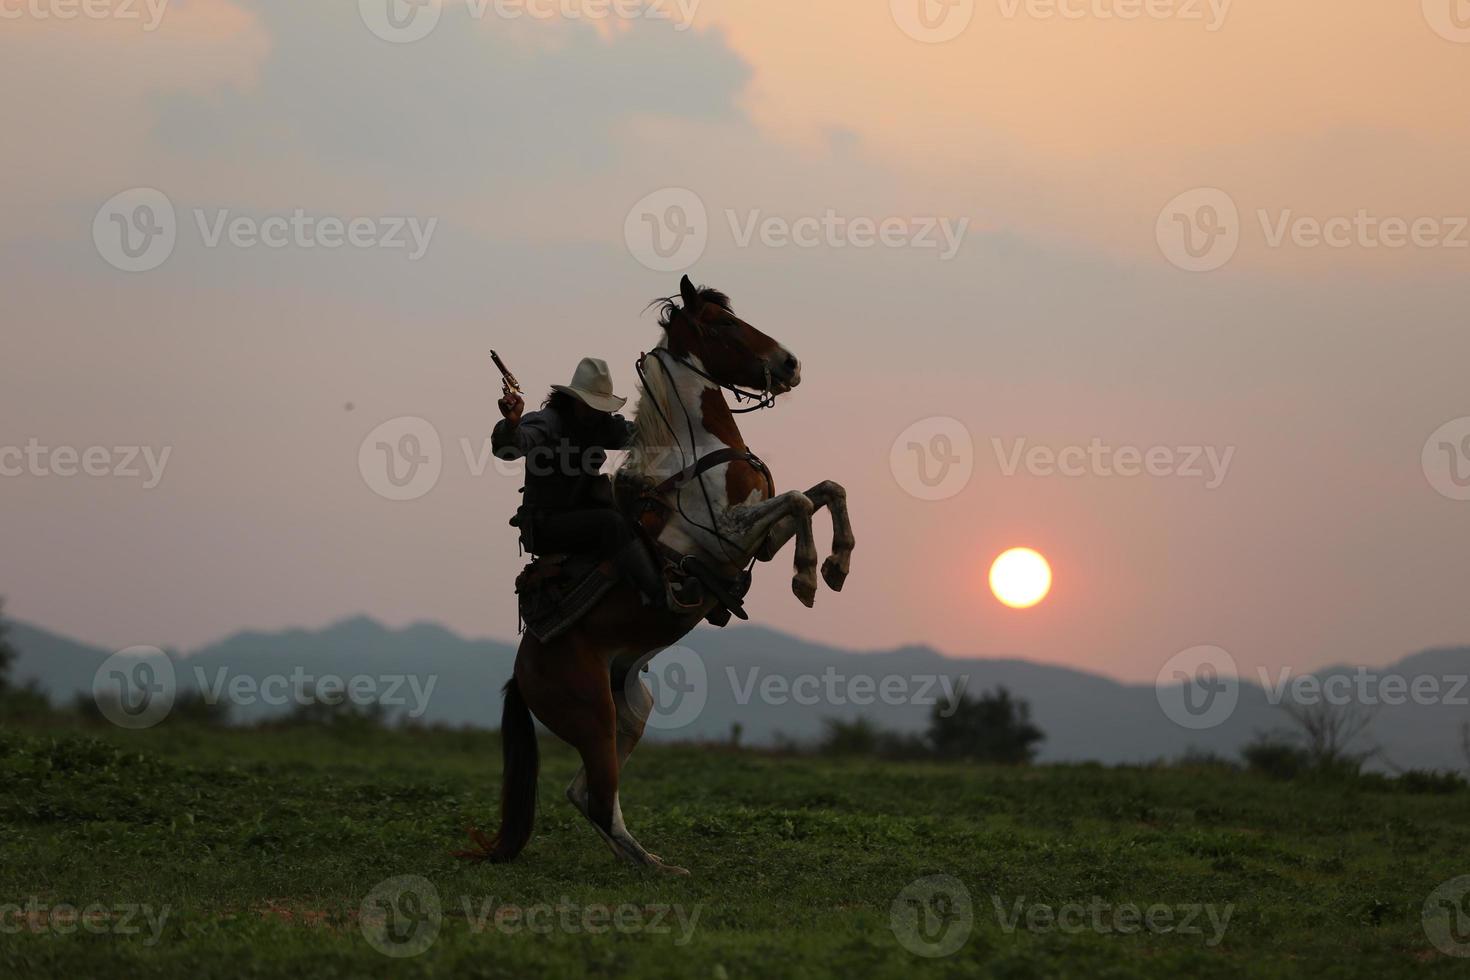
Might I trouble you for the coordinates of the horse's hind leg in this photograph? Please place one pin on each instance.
(631, 707)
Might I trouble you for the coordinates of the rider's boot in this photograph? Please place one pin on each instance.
(635, 562)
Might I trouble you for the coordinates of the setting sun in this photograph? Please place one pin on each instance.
(1020, 578)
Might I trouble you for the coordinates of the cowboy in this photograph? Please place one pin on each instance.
(568, 504)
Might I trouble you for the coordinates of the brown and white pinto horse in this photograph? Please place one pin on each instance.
(585, 685)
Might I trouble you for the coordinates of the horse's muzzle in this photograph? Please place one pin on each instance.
(785, 371)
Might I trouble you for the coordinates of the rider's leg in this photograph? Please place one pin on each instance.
(606, 532)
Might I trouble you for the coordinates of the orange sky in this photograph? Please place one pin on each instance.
(1057, 140)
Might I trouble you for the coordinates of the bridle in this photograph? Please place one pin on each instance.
(765, 398)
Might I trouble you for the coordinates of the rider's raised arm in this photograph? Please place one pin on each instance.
(509, 440)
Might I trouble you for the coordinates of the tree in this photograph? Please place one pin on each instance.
(1328, 732)
(991, 728)
(7, 652)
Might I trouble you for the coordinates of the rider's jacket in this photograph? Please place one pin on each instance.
(562, 468)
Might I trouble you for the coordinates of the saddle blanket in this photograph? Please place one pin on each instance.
(553, 592)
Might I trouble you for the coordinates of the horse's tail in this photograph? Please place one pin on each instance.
(518, 781)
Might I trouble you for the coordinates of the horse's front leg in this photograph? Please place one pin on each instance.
(751, 525)
(833, 497)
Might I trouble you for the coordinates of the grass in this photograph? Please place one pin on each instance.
(262, 846)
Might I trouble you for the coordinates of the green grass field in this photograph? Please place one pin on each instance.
(261, 848)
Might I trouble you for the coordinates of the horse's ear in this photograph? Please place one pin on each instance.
(690, 295)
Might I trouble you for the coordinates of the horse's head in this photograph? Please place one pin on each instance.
(700, 327)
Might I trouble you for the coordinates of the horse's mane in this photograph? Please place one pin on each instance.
(654, 391)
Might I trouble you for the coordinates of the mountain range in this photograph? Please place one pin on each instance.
(772, 684)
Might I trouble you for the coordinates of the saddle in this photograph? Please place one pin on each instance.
(554, 591)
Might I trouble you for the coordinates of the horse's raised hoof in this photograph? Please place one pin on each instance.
(834, 573)
(804, 590)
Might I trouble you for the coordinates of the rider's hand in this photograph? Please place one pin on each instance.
(511, 406)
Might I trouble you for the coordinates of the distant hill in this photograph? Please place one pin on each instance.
(1085, 717)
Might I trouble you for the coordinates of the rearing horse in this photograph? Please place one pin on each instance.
(704, 494)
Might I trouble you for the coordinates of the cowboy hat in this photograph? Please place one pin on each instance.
(592, 385)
